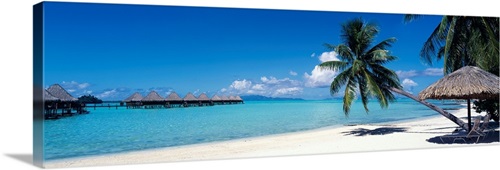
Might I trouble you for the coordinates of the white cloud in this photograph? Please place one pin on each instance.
(409, 83)
(223, 90)
(115, 94)
(83, 85)
(406, 74)
(266, 80)
(196, 91)
(433, 72)
(274, 81)
(258, 87)
(74, 85)
(75, 88)
(328, 56)
(288, 91)
(319, 77)
(313, 55)
(240, 84)
(293, 73)
(107, 94)
(267, 86)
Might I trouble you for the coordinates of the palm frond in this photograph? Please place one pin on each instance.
(349, 95)
(343, 51)
(431, 46)
(380, 57)
(333, 65)
(383, 45)
(450, 36)
(364, 92)
(411, 17)
(339, 81)
(375, 89)
(385, 76)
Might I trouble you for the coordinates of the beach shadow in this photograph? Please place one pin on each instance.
(444, 128)
(25, 158)
(491, 138)
(377, 131)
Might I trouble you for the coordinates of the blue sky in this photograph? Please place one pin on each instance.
(112, 51)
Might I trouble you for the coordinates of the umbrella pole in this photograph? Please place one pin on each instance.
(468, 114)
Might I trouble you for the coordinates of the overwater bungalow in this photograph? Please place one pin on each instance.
(66, 102)
(173, 100)
(190, 100)
(231, 99)
(203, 100)
(134, 101)
(215, 100)
(224, 100)
(153, 100)
(239, 100)
(50, 110)
(235, 100)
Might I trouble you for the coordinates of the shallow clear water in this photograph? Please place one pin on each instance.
(117, 130)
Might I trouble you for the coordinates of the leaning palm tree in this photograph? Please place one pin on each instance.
(362, 66)
(362, 69)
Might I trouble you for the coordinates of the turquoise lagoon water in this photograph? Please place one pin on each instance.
(105, 131)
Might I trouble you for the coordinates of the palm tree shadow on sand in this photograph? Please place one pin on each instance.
(491, 138)
(377, 131)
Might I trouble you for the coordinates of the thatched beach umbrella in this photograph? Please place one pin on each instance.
(136, 97)
(465, 83)
(57, 91)
(153, 96)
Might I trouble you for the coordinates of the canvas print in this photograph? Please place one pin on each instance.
(127, 84)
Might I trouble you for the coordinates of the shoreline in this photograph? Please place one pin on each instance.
(395, 135)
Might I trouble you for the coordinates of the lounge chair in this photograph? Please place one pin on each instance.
(485, 127)
(475, 132)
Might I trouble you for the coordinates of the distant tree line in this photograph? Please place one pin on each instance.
(89, 99)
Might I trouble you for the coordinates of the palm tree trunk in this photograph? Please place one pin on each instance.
(446, 114)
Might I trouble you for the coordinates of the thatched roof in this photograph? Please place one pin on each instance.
(134, 97)
(232, 98)
(190, 97)
(216, 98)
(203, 97)
(238, 98)
(153, 96)
(49, 97)
(466, 83)
(173, 97)
(57, 91)
(224, 98)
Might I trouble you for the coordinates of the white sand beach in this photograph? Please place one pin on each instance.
(413, 134)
